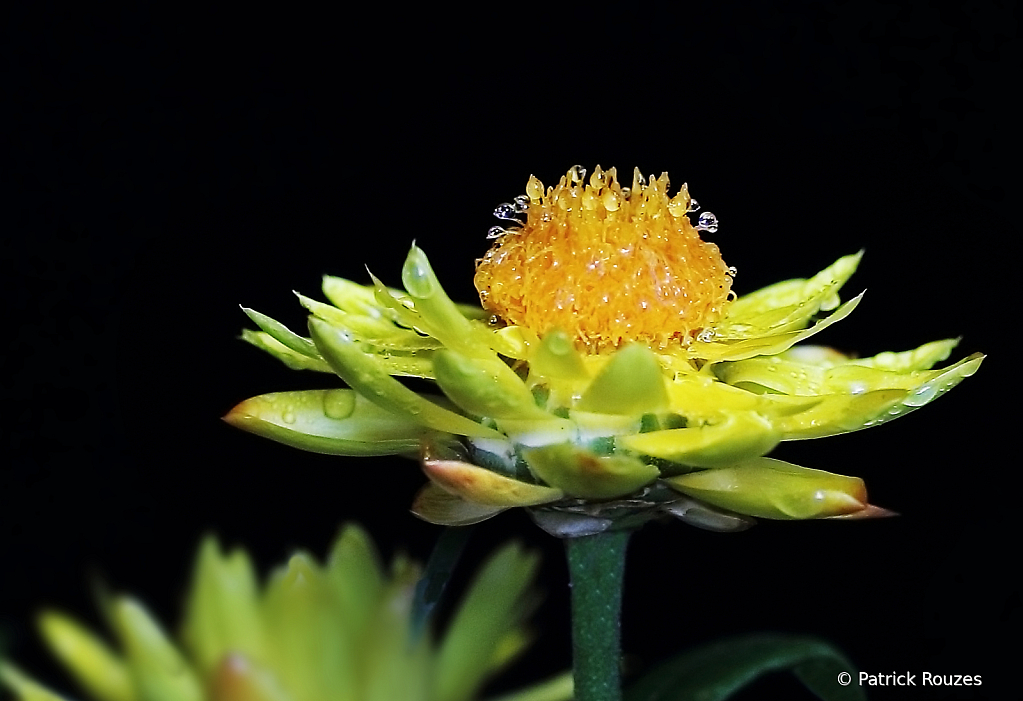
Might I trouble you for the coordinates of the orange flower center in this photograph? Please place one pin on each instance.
(605, 263)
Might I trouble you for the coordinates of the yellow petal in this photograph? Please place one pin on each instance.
(775, 489)
(481, 486)
(434, 505)
(26, 688)
(739, 436)
(580, 473)
(100, 671)
(159, 670)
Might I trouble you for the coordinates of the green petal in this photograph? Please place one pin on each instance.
(922, 358)
(281, 333)
(398, 306)
(159, 671)
(774, 489)
(789, 376)
(631, 383)
(222, 608)
(377, 331)
(354, 298)
(392, 667)
(701, 398)
(557, 358)
(363, 374)
(769, 344)
(354, 569)
(786, 305)
(97, 668)
(843, 413)
(484, 387)
(582, 474)
(26, 688)
(446, 322)
(332, 422)
(739, 436)
(295, 361)
(238, 678)
(559, 688)
(313, 649)
(434, 505)
(497, 602)
(361, 299)
(481, 486)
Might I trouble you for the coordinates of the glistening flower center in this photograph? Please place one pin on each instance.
(606, 264)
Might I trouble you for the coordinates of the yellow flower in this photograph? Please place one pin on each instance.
(334, 632)
(608, 378)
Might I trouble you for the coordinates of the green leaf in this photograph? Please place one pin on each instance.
(437, 574)
(497, 601)
(718, 670)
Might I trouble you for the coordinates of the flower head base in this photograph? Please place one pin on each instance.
(343, 630)
(607, 264)
(603, 426)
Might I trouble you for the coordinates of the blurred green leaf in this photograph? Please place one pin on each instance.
(718, 670)
(435, 577)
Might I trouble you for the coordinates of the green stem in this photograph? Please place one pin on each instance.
(596, 566)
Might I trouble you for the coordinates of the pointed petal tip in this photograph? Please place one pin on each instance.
(868, 511)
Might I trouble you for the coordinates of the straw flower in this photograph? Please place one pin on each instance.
(609, 376)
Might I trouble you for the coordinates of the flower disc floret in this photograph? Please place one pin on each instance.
(607, 264)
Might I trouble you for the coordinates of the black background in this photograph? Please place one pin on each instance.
(165, 166)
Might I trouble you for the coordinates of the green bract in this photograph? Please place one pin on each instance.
(342, 631)
(588, 441)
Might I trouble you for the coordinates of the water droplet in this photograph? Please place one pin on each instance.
(338, 403)
(288, 416)
(496, 232)
(547, 216)
(576, 174)
(731, 271)
(521, 204)
(708, 222)
(416, 275)
(505, 211)
(706, 336)
(694, 206)
(922, 395)
(611, 200)
(534, 188)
